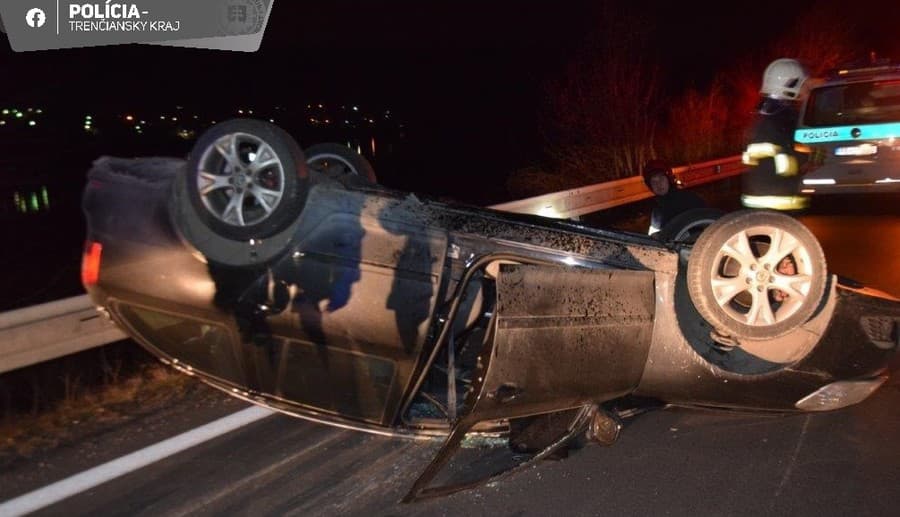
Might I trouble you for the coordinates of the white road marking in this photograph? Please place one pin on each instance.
(53, 493)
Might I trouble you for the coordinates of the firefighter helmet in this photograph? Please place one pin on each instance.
(657, 167)
(783, 79)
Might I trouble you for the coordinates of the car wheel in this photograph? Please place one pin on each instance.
(245, 179)
(756, 274)
(687, 226)
(336, 160)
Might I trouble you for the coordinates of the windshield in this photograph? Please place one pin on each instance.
(855, 103)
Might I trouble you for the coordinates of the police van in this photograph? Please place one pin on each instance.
(850, 126)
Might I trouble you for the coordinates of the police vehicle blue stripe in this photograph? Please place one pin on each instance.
(841, 133)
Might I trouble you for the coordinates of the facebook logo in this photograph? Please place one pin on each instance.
(35, 18)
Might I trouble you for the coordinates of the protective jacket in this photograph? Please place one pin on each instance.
(772, 180)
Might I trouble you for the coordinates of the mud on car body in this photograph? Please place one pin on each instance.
(317, 292)
(850, 127)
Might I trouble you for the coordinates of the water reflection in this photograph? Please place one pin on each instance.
(28, 201)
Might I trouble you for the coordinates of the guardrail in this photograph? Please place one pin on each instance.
(593, 198)
(43, 332)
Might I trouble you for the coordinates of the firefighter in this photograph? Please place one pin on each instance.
(773, 180)
(671, 199)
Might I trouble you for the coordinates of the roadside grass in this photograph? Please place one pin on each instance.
(62, 401)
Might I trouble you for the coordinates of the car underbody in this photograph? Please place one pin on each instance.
(385, 312)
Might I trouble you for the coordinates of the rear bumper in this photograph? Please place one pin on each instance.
(852, 177)
(851, 188)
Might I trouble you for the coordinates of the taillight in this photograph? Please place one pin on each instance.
(90, 263)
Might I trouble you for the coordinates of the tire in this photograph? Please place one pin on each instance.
(686, 227)
(336, 160)
(245, 179)
(738, 281)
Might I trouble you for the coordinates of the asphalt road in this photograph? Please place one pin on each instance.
(860, 234)
(667, 462)
(861, 246)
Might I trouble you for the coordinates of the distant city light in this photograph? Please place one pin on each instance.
(129, 118)
(19, 114)
(19, 201)
(32, 123)
(34, 202)
(355, 108)
(241, 112)
(2, 122)
(39, 111)
(45, 197)
(6, 112)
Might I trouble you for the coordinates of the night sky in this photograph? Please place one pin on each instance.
(468, 77)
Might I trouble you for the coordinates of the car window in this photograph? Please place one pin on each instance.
(202, 345)
(854, 103)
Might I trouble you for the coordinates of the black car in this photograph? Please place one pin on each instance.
(317, 292)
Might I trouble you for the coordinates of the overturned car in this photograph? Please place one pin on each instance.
(293, 280)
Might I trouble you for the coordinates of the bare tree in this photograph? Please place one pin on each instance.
(696, 124)
(606, 115)
(714, 122)
(601, 115)
(822, 38)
